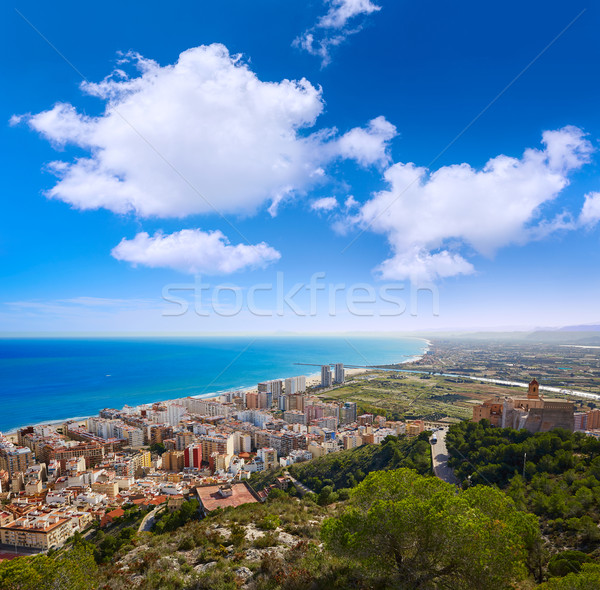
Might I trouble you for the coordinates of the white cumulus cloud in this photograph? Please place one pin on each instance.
(434, 220)
(369, 145)
(194, 251)
(334, 27)
(201, 135)
(324, 204)
(590, 213)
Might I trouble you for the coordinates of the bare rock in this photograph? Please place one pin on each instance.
(205, 566)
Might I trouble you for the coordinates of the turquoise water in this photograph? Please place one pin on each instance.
(52, 379)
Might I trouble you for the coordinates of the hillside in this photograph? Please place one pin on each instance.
(393, 529)
(555, 475)
(294, 544)
(348, 468)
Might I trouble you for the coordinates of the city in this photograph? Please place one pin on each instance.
(300, 295)
(58, 479)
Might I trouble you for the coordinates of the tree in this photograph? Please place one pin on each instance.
(567, 562)
(420, 532)
(588, 578)
(276, 494)
(325, 495)
(158, 448)
(171, 521)
(73, 570)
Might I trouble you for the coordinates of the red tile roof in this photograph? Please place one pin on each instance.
(117, 513)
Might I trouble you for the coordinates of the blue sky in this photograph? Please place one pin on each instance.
(260, 121)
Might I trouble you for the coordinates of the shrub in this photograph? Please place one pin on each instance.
(186, 544)
(567, 562)
(267, 540)
(270, 522)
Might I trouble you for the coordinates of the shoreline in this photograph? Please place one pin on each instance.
(311, 380)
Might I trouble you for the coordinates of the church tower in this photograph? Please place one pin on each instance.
(534, 390)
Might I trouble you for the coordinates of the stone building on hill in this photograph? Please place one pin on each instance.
(534, 412)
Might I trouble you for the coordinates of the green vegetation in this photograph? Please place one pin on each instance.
(169, 521)
(73, 570)
(567, 562)
(106, 545)
(218, 552)
(398, 530)
(528, 514)
(395, 529)
(410, 531)
(406, 396)
(588, 579)
(261, 479)
(555, 475)
(348, 468)
(158, 448)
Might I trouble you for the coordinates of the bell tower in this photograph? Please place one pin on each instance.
(534, 390)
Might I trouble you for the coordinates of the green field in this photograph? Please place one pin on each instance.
(407, 396)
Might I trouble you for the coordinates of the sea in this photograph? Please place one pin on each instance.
(44, 380)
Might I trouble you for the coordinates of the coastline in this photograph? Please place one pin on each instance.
(312, 379)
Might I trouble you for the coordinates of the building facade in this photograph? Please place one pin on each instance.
(326, 377)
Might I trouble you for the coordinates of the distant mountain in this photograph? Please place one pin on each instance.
(584, 334)
(567, 336)
(583, 328)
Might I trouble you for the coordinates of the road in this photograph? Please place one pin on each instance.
(148, 521)
(440, 456)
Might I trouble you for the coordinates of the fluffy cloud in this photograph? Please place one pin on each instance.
(590, 213)
(333, 28)
(342, 11)
(324, 204)
(194, 251)
(201, 135)
(367, 146)
(434, 220)
(351, 202)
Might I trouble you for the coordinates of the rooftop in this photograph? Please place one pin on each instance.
(211, 498)
(43, 524)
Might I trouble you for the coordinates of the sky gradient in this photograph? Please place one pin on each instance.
(438, 161)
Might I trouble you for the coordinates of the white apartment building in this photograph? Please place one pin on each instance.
(207, 407)
(274, 387)
(175, 413)
(255, 417)
(295, 385)
(242, 442)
